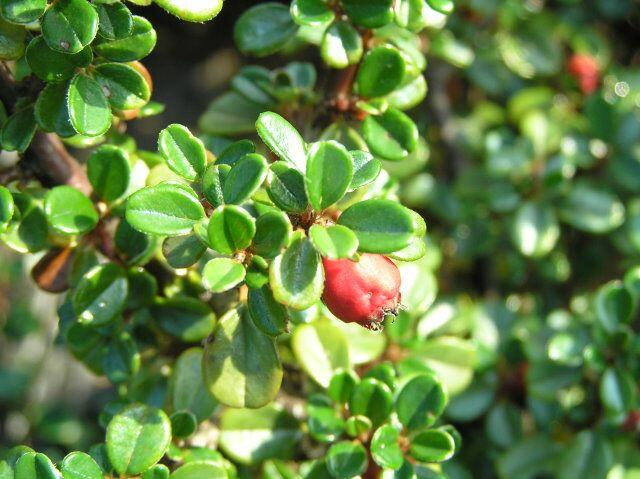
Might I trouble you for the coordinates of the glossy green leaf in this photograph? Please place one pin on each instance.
(192, 10)
(453, 360)
(530, 457)
(264, 29)
(69, 211)
(283, 139)
(267, 314)
(241, 366)
(535, 229)
(592, 210)
(109, 172)
(381, 226)
(114, 20)
(313, 13)
(230, 114)
(346, 459)
(371, 398)
(200, 469)
(101, 295)
(325, 423)
(222, 274)
(33, 465)
(411, 14)
(432, 445)
(168, 208)
(588, 455)
(358, 425)
(89, 108)
(124, 86)
(185, 154)
(409, 94)
(392, 135)
(27, 233)
(121, 359)
(183, 424)
(183, 251)
(12, 46)
(78, 465)
(231, 229)
(334, 242)
(287, 188)
(70, 25)
(328, 175)
(369, 14)
(52, 110)
(186, 386)
(420, 402)
(213, 183)
(22, 11)
(341, 45)
(137, 45)
(137, 438)
(341, 385)
(51, 65)
(244, 178)
(273, 230)
(296, 276)
(159, 471)
(235, 152)
(7, 207)
(17, 132)
(366, 168)
(618, 392)
(385, 450)
(614, 305)
(504, 424)
(442, 6)
(382, 70)
(188, 319)
(251, 436)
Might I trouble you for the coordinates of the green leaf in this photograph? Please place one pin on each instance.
(382, 226)
(33, 465)
(109, 172)
(168, 208)
(373, 399)
(392, 135)
(409, 94)
(358, 425)
(369, 14)
(159, 471)
(89, 109)
(78, 465)
(442, 6)
(183, 424)
(411, 14)
(341, 385)
(325, 423)
(192, 10)
(185, 154)
(124, 86)
(200, 469)
(251, 436)
(617, 391)
(241, 366)
(137, 438)
(7, 207)
(535, 229)
(245, 177)
(529, 458)
(334, 242)
(187, 390)
(235, 152)
(51, 65)
(546, 379)
(101, 295)
(312, 13)
(420, 402)
(183, 251)
(366, 169)
(22, 11)
(328, 175)
(231, 229)
(70, 25)
(273, 230)
(230, 114)
(385, 449)
(18, 130)
(588, 455)
(135, 46)
(27, 233)
(52, 111)
(283, 139)
(296, 276)
(592, 210)
(346, 459)
(321, 349)
(287, 188)
(341, 45)
(382, 71)
(69, 211)
(114, 20)
(264, 29)
(188, 319)
(452, 359)
(254, 84)
(267, 314)
(213, 183)
(222, 274)
(614, 305)
(432, 445)
(121, 359)
(12, 45)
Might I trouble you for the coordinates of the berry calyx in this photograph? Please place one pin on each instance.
(363, 291)
(585, 69)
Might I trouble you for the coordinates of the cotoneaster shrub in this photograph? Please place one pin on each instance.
(192, 277)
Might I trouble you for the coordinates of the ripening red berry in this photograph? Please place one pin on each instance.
(585, 69)
(362, 291)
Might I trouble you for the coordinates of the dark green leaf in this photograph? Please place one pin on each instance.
(268, 315)
(188, 319)
(70, 25)
(135, 46)
(442, 6)
(186, 386)
(183, 251)
(109, 172)
(22, 11)
(366, 169)
(183, 424)
(341, 45)
(230, 114)
(185, 154)
(213, 183)
(124, 86)
(52, 110)
(614, 305)
(392, 135)
(12, 45)
(328, 174)
(346, 459)
(18, 130)
(286, 188)
(314, 13)
(51, 65)
(235, 152)
(264, 29)
(420, 402)
(89, 109)
(371, 398)
(369, 14)
(432, 445)
(385, 449)
(273, 230)
(115, 20)
(381, 72)
(231, 229)
(245, 177)
(69, 211)
(101, 295)
(283, 139)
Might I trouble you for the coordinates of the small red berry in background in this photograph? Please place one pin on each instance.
(585, 69)
(362, 291)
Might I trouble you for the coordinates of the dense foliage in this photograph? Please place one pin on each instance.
(192, 276)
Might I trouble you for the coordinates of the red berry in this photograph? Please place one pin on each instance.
(585, 69)
(362, 291)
